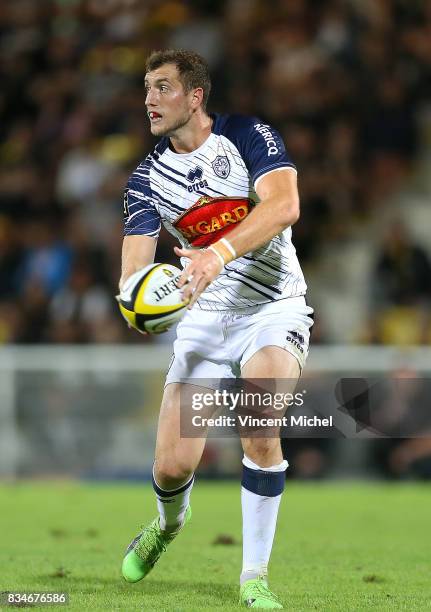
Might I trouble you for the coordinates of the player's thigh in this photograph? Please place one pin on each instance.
(272, 362)
(282, 368)
(176, 457)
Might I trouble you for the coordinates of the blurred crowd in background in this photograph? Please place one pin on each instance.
(346, 82)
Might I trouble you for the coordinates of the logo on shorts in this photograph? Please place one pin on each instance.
(221, 166)
(296, 339)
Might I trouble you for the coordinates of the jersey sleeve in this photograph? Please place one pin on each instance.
(141, 216)
(260, 145)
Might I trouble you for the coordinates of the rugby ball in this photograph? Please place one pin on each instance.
(150, 300)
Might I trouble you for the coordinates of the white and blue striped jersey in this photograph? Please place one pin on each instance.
(239, 151)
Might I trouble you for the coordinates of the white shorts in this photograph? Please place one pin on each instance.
(214, 345)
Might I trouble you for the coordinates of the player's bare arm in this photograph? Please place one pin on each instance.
(138, 252)
(278, 209)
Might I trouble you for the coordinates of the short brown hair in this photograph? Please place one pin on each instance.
(192, 69)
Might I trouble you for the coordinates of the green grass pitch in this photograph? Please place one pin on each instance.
(338, 547)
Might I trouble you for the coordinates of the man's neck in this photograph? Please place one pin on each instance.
(193, 135)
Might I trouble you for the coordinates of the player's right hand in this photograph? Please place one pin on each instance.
(203, 268)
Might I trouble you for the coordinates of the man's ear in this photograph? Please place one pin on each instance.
(197, 97)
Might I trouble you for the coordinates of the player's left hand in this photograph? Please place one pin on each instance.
(203, 268)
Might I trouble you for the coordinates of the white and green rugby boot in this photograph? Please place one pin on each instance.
(144, 551)
(255, 593)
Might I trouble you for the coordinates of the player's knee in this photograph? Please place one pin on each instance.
(170, 473)
(261, 450)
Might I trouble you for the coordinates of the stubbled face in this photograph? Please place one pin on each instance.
(168, 106)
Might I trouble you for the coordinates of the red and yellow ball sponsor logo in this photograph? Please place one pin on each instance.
(210, 218)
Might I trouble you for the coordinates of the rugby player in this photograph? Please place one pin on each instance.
(248, 316)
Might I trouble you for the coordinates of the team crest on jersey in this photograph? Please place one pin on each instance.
(221, 166)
